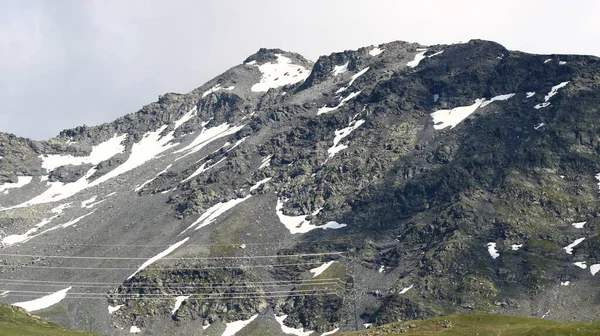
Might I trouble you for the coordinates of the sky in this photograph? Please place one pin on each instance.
(66, 63)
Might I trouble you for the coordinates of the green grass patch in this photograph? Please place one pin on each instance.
(337, 270)
(476, 324)
(14, 321)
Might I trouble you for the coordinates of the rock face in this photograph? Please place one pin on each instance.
(388, 183)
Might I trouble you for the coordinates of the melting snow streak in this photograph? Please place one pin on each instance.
(215, 211)
(569, 248)
(43, 302)
(159, 256)
(319, 270)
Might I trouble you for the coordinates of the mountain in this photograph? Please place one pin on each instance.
(389, 183)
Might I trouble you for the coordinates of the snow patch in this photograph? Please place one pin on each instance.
(319, 270)
(202, 169)
(21, 181)
(332, 225)
(554, 90)
(233, 327)
(69, 223)
(445, 118)
(594, 268)
(341, 134)
(580, 264)
(211, 90)
(418, 57)
(547, 60)
(237, 143)
(267, 162)
(21, 238)
(159, 256)
(178, 301)
(185, 117)
(134, 330)
(541, 105)
(112, 309)
(435, 54)
(375, 51)
(152, 179)
(562, 63)
(497, 98)
(569, 248)
(43, 302)
(326, 109)
(340, 69)
(215, 211)
(566, 283)
(289, 330)
(354, 78)
(516, 247)
(406, 289)
(100, 152)
(206, 136)
(540, 125)
(330, 332)
(579, 225)
(550, 94)
(281, 73)
(530, 94)
(87, 202)
(492, 250)
(299, 224)
(259, 183)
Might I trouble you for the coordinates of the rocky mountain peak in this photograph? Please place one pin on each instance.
(391, 182)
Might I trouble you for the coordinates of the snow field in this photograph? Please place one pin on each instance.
(44, 301)
(280, 73)
(21, 182)
(100, 152)
(451, 118)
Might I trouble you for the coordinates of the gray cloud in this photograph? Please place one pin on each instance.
(68, 63)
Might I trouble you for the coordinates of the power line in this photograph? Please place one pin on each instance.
(173, 287)
(160, 268)
(191, 298)
(164, 283)
(167, 258)
(167, 245)
(113, 295)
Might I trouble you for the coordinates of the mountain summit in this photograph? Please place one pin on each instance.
(394, 182)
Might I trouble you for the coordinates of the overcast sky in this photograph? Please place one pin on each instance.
(69, 63)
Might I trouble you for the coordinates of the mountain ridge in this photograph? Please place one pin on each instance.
(406, 174)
